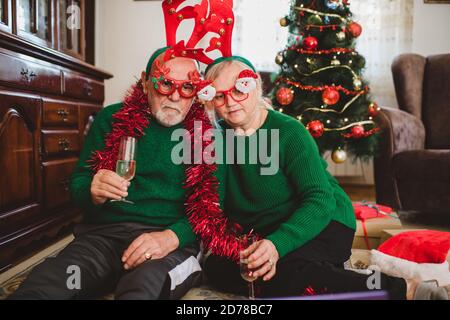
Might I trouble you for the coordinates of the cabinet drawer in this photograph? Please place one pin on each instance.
(25, 74)
(81, 87)
(57, 114)
(60, 142)
(57, 182)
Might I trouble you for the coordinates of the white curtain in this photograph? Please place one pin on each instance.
(258, 35)
(387, 32)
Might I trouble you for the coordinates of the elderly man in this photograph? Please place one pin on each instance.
(144, 248)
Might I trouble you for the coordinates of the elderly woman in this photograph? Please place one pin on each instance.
(305, 219)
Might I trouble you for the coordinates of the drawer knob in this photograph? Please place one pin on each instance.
(88, 89)
(64, 144)
(64, 114)
(27, 75)
(65, 184)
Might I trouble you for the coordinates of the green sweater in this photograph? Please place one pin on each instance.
(293, 206)
(157, 189)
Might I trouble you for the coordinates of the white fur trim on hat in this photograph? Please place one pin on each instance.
(405, 269)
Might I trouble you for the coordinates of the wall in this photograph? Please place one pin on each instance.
(127, 33)
(431, 32)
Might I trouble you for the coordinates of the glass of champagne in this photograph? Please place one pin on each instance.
(126, 161)
(246, 273)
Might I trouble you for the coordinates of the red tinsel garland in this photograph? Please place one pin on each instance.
(208, 222)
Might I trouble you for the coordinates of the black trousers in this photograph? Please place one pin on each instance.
(318, 265)
(96, 252)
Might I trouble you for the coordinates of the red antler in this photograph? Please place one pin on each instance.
(210, 16)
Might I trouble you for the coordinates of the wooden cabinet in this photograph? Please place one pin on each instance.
(49, 97)
(34, 20)
(5, 16)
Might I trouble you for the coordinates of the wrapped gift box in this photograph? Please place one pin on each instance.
(375, 228)
(387, 234)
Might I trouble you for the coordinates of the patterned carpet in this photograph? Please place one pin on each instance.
(10, 281)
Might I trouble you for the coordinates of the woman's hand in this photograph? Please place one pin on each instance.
(262, 257)
(106, 185)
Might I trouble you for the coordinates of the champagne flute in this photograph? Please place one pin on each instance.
(126, 163)
(246, 273)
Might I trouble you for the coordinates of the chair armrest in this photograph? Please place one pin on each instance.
(401, 131)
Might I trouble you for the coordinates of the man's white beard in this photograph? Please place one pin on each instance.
(168, 120)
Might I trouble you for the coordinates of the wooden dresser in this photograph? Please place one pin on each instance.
(49, 95)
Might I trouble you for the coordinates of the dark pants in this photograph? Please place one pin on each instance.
(96, 252)
(318, 265)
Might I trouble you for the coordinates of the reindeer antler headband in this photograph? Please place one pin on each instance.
(213, 19)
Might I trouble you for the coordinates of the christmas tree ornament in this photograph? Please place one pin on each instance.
(310, 43)
(316, 128)
(330, 96)
(359, 61)
(314, 20)
(354, 29)
(340, 36)
(335, 61)
(357, 83)
(285, 96)
(284, 22)
(357, 132)
(339, 156)
(279, 59)
(310, 60)
(374, 109)
(334, 4)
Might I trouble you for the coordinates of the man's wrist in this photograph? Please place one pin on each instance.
(174, 241)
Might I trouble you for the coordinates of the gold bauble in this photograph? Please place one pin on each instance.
(357, 84)
(279, 59)
(339, 156)
(284, 22)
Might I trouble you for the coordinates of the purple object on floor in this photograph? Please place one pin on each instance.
(374, 295)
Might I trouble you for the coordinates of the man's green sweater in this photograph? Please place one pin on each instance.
(157, 189)
(293, 206)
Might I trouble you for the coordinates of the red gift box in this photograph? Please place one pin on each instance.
(372, 219)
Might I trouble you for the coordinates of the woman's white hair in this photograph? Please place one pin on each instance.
(216, 70)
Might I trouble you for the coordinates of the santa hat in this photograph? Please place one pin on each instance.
(417, 255)
(205, 91)
(246, 81)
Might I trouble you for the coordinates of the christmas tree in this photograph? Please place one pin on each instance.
(320, 82)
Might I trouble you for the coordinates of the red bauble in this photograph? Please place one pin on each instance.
(358, 131)
(310, 43)
(285, 96)
(330, 96)
(315, 128)
(373, 109)
(354, 29)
